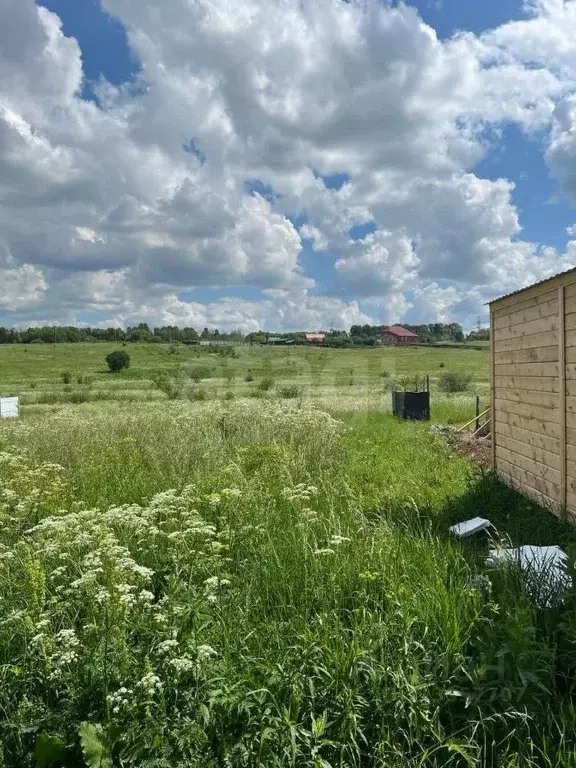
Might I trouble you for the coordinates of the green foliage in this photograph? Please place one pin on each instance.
(266, 385)
(249, 377)
(118, 361)
(199, 372)
(94, 747)
(290, 391)
(66, 377)
(49, 750)
(454, 381)
(260, 584)
(198, 395)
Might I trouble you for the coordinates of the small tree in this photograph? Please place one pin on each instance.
(117, 361)
(454, 382)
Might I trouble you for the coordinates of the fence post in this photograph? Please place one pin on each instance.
(477, 413)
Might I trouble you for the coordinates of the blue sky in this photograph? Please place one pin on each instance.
(365, 176)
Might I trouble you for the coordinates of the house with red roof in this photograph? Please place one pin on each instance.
(399, 336)
(315, 338)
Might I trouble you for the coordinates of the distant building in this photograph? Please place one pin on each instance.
(315, 338)
(395, 334)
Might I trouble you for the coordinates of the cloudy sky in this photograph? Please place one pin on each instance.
(282, 164)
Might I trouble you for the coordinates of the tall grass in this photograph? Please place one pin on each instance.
(253, 583)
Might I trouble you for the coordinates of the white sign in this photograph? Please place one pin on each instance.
(9, 407)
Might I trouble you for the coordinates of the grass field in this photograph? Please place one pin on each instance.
(263, 579)
(338, 380)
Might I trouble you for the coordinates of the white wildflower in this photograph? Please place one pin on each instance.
(205, 652)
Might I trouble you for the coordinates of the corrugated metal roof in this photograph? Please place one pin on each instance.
(541, 282)
(397, 330)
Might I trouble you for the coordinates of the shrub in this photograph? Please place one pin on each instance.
(290, 391)
(85, 379)
(198, 395)
(454, 382)
(249, 377)
(266, 384)
(117, 361)
(80, 396)
(441, 365)
(229, 396)
(257, 393)
(200, 372)
(66, 377)
(385, 374)
(33, 384)
(173, 349)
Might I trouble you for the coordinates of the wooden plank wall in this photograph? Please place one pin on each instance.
(534, 391)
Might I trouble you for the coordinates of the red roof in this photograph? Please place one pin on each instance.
(315, 336)
(397, 330)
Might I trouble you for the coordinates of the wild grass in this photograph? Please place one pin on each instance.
(258, 582)
(261, 584)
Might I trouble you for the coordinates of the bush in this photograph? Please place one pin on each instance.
(290, 391)
(266, 384)
(33, 384)
(80, 396)
(66, 377)
(85, 379)
(198, 395)
(454, 382)
(229, 396)
(385, 374)
(200, 372)
(441, 365)
(117, 361)
(249, 377)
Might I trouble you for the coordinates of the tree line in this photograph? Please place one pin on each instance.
(359, 335)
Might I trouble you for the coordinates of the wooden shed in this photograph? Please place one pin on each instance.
(533, 384)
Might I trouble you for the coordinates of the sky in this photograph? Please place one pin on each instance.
(282, 164)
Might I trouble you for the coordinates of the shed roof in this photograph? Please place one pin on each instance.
(397, 330)
(533, 285)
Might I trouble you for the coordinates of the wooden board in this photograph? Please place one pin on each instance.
(545, 442)
(531, 341)
(535, 370)
(536, 468)
(518, 316)
(545, 399)
(530, 328)
(524, 301)
(562, 393)
(526, 480)
(570, 323)
(539, 426)
(529, 383)
(538, 455)
(538, 412)
(542, 355)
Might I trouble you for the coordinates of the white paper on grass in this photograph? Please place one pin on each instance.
(9, 407)
(469, 527)
(543, 568)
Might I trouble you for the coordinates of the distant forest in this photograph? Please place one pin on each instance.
(359, 335)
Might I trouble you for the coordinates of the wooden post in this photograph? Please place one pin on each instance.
(427, 382)
(492, 389)
(477, 427)
(562, 392)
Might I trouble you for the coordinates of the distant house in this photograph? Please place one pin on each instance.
(395, 334)
(315, 338)
(277, 340)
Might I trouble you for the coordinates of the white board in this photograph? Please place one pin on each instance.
(9, 407)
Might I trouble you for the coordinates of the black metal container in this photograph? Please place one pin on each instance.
(411, 405)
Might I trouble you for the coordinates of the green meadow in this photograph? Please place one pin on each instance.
(240, 558)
